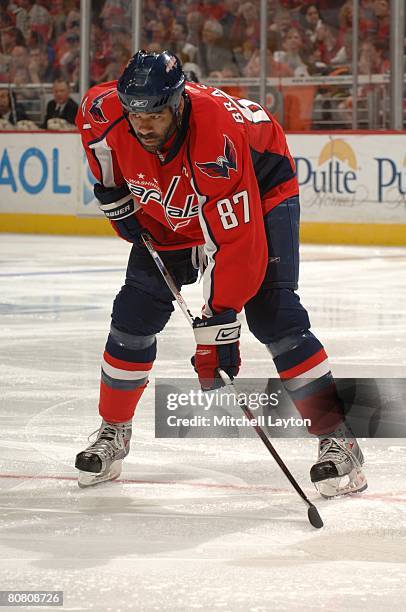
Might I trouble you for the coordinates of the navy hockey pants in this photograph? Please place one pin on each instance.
(144, 304)
(274, 315)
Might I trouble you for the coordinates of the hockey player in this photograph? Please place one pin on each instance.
(196, 168)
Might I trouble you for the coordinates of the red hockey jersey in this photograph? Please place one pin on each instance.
(228, 165)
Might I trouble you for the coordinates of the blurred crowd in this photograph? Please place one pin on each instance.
(40, 42)
(221, 39)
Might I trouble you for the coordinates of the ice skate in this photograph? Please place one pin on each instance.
(102, 460)
(338, 470)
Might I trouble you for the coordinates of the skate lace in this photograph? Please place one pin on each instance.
(109, 440)
(334, 449)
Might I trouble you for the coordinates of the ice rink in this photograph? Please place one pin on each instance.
(191, 524)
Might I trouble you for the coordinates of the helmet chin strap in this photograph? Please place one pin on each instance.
(178, 118)
(177, 115)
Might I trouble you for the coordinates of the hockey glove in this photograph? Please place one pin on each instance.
(118, 206)
(218, 346)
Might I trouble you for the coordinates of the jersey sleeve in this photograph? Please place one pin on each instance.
(96, 118)
(231, 218)
(94, 123)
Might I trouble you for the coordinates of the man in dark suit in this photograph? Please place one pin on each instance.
(62, 106)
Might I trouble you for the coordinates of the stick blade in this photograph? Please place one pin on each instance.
(314, 517)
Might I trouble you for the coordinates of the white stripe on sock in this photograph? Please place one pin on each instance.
(297, 382)
(119, 374)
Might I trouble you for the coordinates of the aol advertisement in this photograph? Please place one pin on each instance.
(38, 173)
(354, 178)
(45, 173)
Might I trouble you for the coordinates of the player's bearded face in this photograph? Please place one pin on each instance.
(153, 129)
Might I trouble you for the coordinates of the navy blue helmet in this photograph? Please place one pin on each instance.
(150, 82)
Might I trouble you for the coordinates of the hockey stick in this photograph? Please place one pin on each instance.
(312, 513)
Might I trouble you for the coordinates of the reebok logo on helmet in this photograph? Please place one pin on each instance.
(139, 103)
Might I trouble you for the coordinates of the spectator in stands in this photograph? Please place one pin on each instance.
(120, 35)
(40, 68)
(58, 14)
(73, 14)
(148, 11)
(329, 10)
(371, 61)
(230, 19)
(344, 54)
(230, 71)
(22, 18)
(165, 16)
(20, 76)
(10, 110)
(194, 27)
(368, 21)
(113, 8)
(19, 63)
(177, 37)
(153, 48)
(327, 43)
(62, 44)
(250, 16)
(212, 55)
(293, 53)
(372, 58)
(181, 10)
(40, 19)
(274, 68)
(99, 52)
(70, 60)
(11, 37)
(211, 9)
(7, 18)
(273, 6)
(35, 40)
(243, 54)
(157, 33)
(281, 24)
(115, 18)
(345, 20)
(25, 95)
(381, 28)
(310, 22)
(4, 67)
(62, 106)
(119, 57)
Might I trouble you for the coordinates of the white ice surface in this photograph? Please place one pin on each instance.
(192, 524)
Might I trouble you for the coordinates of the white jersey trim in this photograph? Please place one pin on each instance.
(104, 156)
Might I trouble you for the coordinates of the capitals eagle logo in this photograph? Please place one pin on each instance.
(96, 110)
(223, 164)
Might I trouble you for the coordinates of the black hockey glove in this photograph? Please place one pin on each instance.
(118, 206)
(218, 346)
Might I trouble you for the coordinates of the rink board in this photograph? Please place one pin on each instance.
(352, 186)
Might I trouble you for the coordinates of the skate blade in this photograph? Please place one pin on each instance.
(354, 482)
(89, 479)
